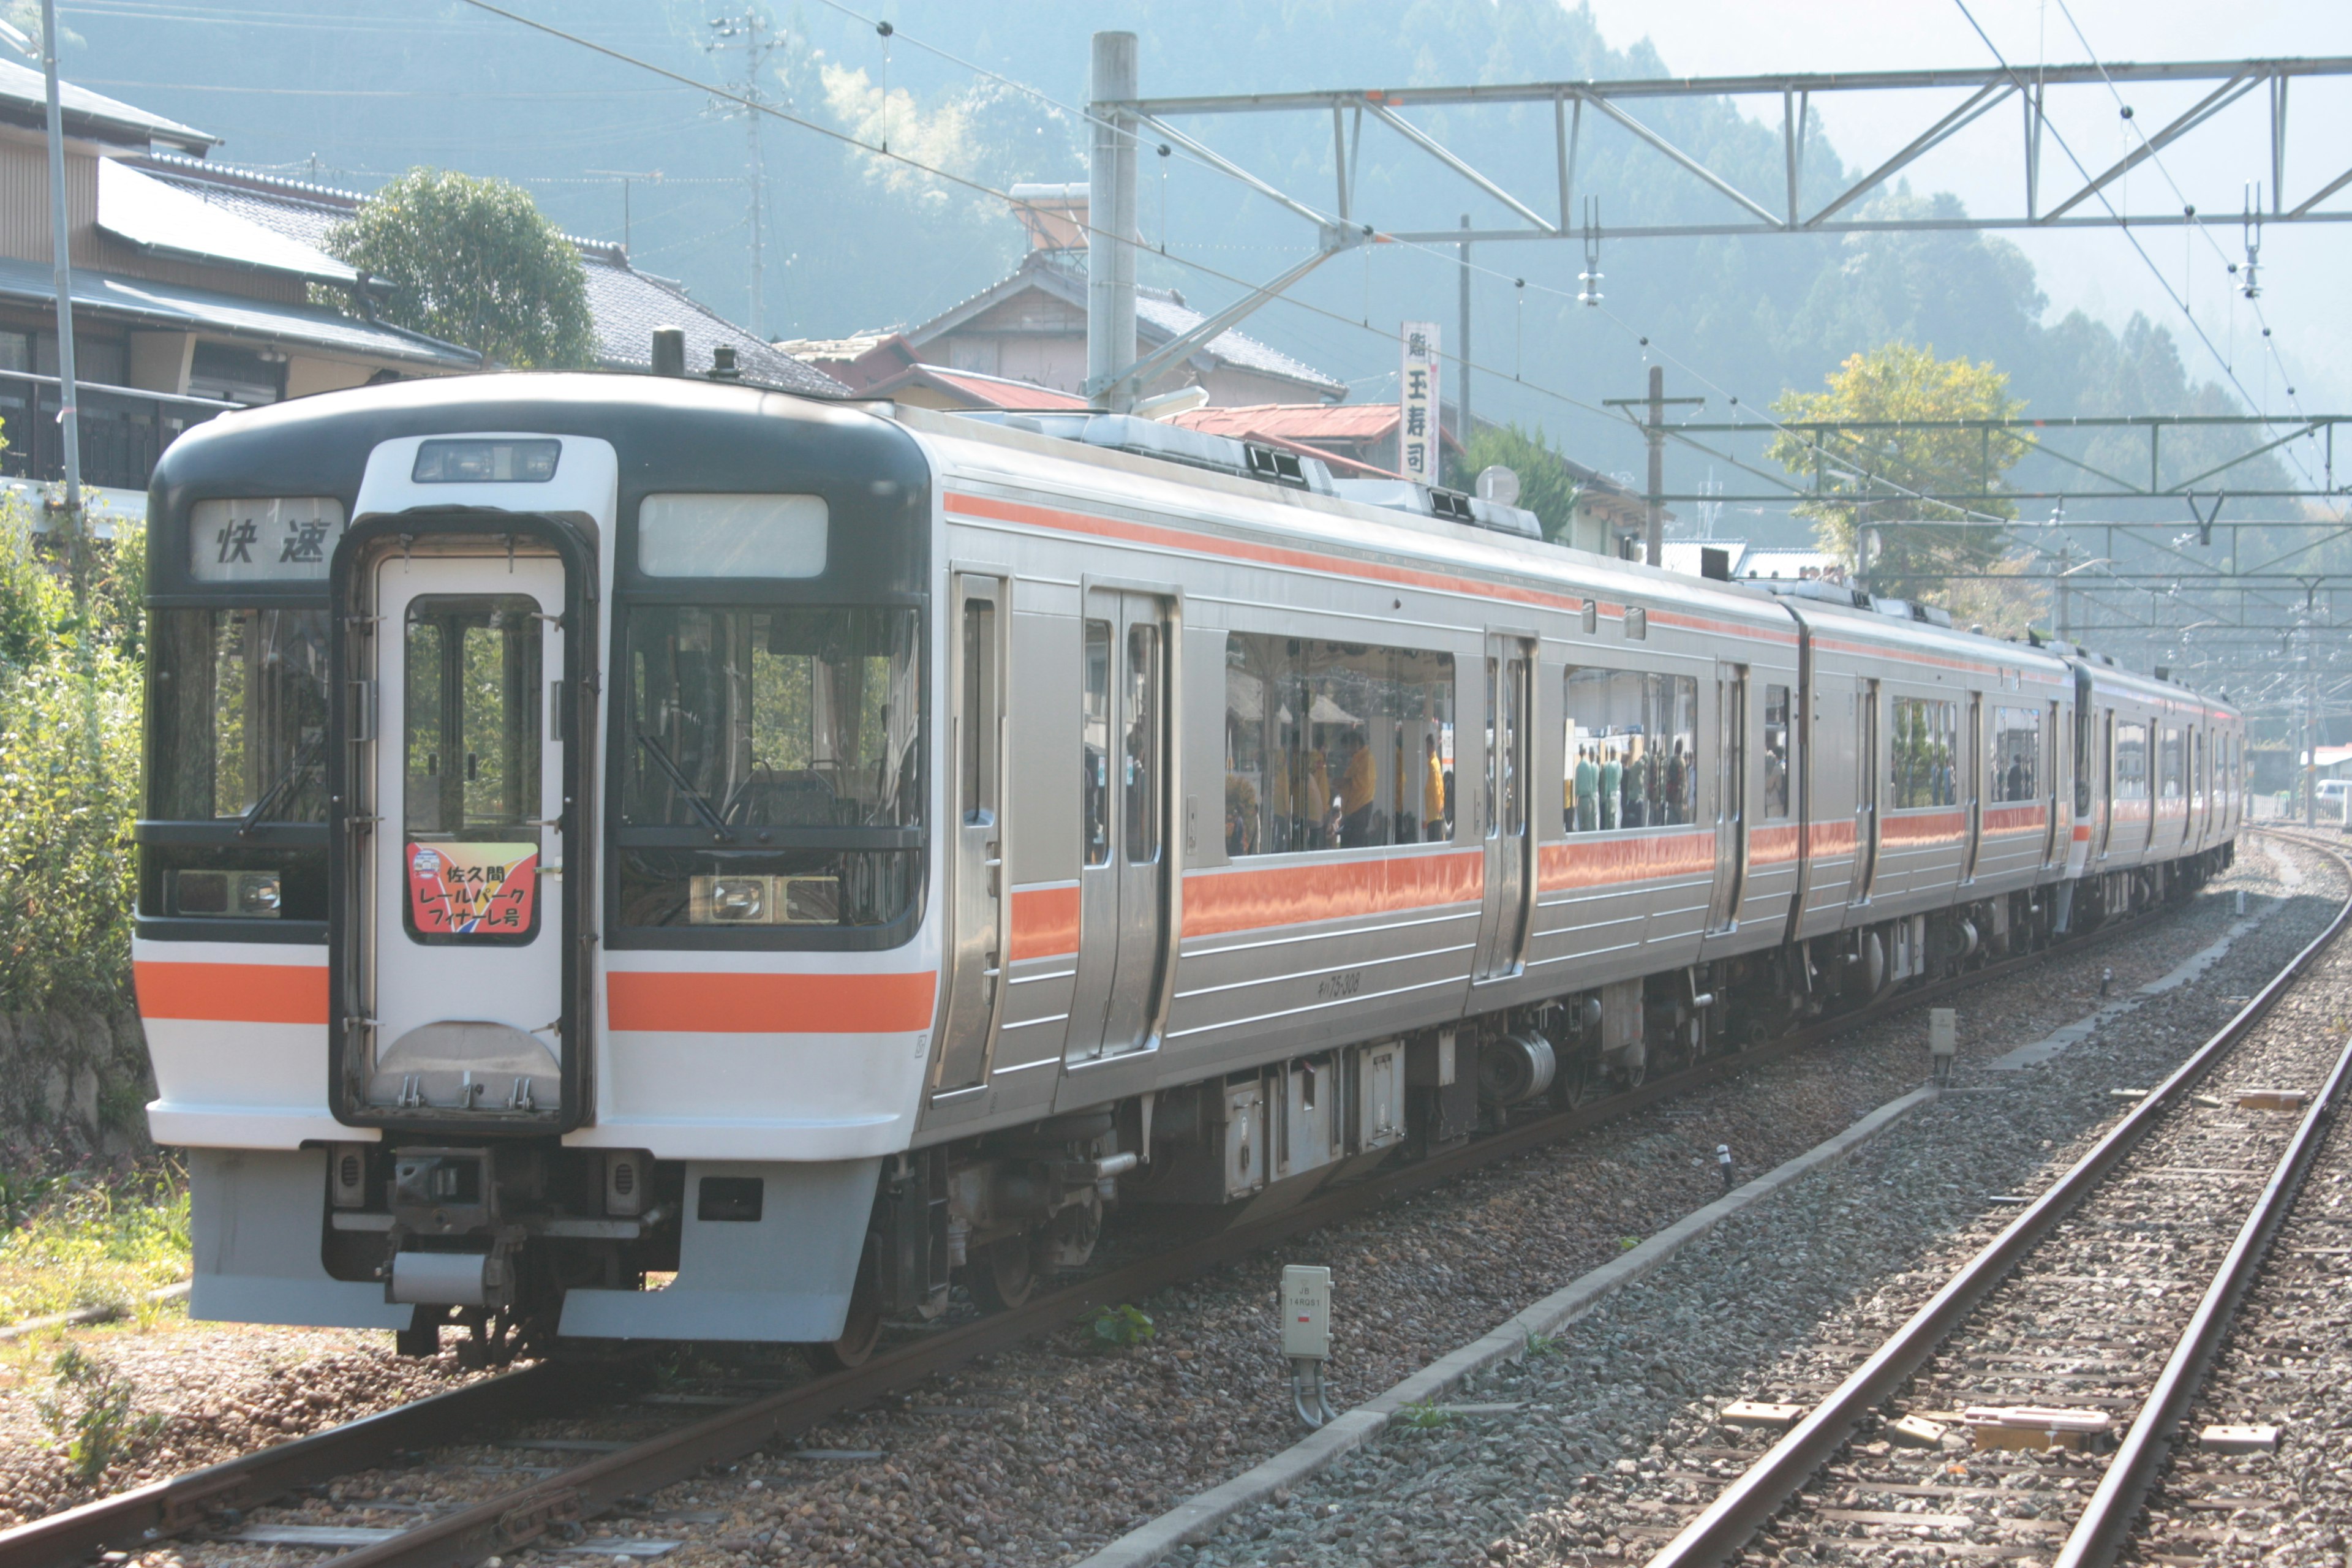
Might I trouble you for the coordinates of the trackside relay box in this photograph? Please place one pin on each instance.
(1305, 1312)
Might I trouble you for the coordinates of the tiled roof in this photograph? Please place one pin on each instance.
(626, 305)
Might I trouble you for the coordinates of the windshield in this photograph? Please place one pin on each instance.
(772, 718)
(771, 773)
(238, 715)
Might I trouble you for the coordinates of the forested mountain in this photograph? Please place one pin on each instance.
(360, 89)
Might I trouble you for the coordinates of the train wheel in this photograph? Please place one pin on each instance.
(1573, 1084)
(1007, 1276)
(863, 1330)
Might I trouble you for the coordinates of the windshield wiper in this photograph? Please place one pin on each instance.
(694, 797)
(296, 772)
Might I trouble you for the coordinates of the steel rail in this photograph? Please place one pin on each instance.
(132, 1519)
(2107, 1519)
(135, 1519)
(1726, 1525)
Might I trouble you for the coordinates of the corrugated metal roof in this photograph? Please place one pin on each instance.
(164, 217)
(994, 391)
(25, 93)
(170, 304)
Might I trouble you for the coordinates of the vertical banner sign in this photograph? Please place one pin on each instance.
(1417, 447)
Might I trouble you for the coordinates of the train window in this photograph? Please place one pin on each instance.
(2169, 768)
(733, 536)
(2131, 762)
(1776, 753)
(1631, 752)
(1335, 745)
(1094, 723)
(2016, 754)
(283, 538)
(1141, 776)
(238, 699)
(795, 733)
(1924, 759)
(976, 768)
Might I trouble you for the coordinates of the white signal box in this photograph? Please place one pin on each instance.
(1943, 1031)
(1305, 1312)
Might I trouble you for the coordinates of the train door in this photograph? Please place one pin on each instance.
(1730, 794)
(1126, 698)
(1866, 791)
(1971, 785)
(976, 936)
(461, 933)
(1510, 667)
(2105, 784)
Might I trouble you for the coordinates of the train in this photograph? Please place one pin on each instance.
(646, 858)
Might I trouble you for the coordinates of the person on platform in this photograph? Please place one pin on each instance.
(1433, 793)
(1586, 783)
(1356, 793)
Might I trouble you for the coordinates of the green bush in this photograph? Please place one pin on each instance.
(69, 708)
(1118, 1327)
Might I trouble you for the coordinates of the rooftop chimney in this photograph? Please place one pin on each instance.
(669, 351)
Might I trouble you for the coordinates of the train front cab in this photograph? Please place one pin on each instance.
(476, 980)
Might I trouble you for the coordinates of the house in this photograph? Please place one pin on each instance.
(624, 304)
(179, 312)
(196, 291)
(1030, 327)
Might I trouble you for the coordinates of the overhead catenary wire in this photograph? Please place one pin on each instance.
(1886, 490)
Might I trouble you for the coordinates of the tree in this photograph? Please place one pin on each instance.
(1871, 475)
(473, 262)
(1545, 487)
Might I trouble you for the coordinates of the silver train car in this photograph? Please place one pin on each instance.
(648, 859)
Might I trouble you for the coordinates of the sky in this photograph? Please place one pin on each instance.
(2302, 267)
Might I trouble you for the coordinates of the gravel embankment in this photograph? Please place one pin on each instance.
(1615, 1425)
(1041, 1455)
(2287, 1363)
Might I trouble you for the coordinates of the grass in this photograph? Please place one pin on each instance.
(85, 1242)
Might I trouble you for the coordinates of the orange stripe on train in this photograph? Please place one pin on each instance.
(233, 993)
(1045, 922)
(1601, 862)
(740, 1003)
(1220, 902)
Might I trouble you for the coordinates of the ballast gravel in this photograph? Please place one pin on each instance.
(1596, 1447)
(1041, 1455)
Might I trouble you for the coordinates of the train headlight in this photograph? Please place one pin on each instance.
(230, 895)
(732, 900)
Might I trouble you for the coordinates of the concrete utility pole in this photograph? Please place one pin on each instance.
(60, 235)
(1654, 543)
(1110, 209)
(1462, 395)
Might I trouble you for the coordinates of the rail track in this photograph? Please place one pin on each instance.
(2106, 1296)
(551, 1507)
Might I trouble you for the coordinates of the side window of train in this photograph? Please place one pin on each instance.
(2168, 762)
(1632, 751)
(2131, 762)
(2016, 755)
(977, 762)
(1925, 756)
(1776, 753)
(1093, 750)
(1336, 745)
